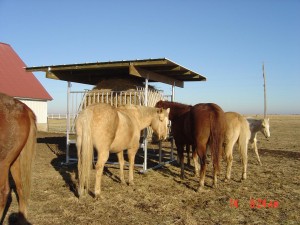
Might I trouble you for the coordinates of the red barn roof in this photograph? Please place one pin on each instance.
(14, 80)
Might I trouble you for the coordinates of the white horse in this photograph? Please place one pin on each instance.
(237, 132)
(256, 125)
(111, 129)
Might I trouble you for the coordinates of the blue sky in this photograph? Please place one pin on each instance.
(226, 41)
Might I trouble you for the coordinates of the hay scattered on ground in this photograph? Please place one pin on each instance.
(161, 197)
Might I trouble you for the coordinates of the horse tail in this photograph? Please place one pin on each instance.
(84, 146)
(244, 137)
(217, 135)
(27, 155)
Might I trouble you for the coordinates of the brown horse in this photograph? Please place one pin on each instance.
(202, 126)
(111, 129)
(17, 147)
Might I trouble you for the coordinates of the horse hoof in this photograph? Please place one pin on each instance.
(131, 183)
(201, 190)
(215, 186)
(123, 182)
(227, 179)
(244, 176)
(98, 197)
(80, 194)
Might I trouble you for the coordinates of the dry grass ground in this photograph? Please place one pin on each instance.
(161, 197)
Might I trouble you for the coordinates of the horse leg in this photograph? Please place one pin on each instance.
(201, 151)
(243, 148)
(16, 174)
(215, 182)
(131, 156)
(4, 189)
(202, 173)
(188, 155)
(229, 158)
(256, 151)
(121, 163)
(102, 158)
(215, 171)
(196, 163)
(180, 149)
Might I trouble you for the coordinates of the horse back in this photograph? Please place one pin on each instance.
(206, 115)
(127, 132)
(181, 129)
(234, 124)
(104, 122)
(15, 121)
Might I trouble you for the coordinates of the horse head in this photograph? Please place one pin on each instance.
(176, 109)
(160, 123)
(265, 127)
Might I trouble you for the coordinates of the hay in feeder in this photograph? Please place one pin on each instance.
(121, 84)
(120, 91)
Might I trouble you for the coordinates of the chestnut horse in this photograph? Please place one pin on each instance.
(202, 126)
(17, 147)
(111, 129)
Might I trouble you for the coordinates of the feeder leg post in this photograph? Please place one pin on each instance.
(172, 139)
(160, 151)
(68, 122)
(145, 130)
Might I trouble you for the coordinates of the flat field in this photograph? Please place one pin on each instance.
(270, 195)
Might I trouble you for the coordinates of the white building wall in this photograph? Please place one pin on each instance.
(40, 108)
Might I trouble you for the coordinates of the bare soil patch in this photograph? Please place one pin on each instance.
(161, 197)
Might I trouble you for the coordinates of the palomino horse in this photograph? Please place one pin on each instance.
(202, 126)
(111, 129)
(17, 147)
(256, 125)
(237, 131)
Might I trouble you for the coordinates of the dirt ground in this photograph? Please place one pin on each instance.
(270, 195)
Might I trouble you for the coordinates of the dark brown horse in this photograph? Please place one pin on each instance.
(17, 145)
(202, 126)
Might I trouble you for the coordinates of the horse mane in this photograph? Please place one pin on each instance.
(169, 104)
(143, 110)
(254, 122)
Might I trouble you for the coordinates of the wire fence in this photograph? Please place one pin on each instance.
(57, 123)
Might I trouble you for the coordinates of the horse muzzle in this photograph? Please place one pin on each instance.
(163, 137)
(156, 137)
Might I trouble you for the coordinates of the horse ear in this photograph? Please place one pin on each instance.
(158, 104)
(168, 110)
